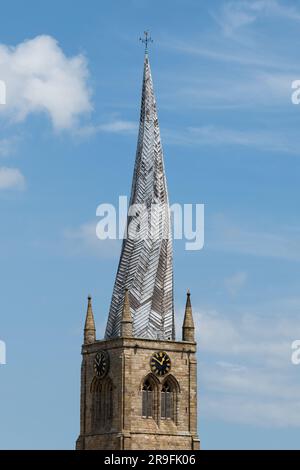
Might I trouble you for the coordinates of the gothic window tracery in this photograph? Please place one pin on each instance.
(102, 403)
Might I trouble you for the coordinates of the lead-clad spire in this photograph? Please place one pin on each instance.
(146, 262)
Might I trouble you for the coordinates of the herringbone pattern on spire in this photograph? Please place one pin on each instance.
(146, 263)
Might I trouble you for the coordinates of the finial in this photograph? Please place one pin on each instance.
(126, 321)
(188, 328)
(146, 40)
(188, 292)
(89, 327)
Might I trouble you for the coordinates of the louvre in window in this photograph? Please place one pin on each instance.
(167, 409)
(147, 400)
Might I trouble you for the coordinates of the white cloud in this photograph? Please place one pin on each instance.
(83, 240)
(11, 178)
(40, 78)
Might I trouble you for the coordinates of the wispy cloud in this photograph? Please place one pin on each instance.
(11, 178)
(259, 338)
(234, 15)
(83, 240)
(229, 236)
(263, 412)
(210, 135)
(223, 54)
(117, 126)
(7, 146)
(235, 282)
(245, 71)
(236, 379)
(245, 369)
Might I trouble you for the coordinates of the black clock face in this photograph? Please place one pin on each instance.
(101, 364)
(160, 363)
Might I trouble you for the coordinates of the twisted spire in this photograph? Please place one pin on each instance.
(146, 262)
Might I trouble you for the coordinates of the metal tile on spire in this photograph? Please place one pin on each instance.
(146, 263)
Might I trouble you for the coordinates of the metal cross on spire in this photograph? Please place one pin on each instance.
(146, 40)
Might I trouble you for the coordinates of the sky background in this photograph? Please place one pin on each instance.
(222, 74)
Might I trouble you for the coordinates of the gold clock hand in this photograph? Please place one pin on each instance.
(160, 363)
(163, 360)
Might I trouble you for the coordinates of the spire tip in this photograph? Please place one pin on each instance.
(147, 39)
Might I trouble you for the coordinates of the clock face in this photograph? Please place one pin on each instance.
(101, 364)
(160, 363)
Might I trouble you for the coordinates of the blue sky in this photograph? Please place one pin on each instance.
(222, 74)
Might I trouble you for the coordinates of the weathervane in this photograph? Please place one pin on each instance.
(146, 40)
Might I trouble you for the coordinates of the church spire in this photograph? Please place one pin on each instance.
(89, 327)
(146, 261)
(188, 328)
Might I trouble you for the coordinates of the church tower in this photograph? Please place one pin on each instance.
(138, 384)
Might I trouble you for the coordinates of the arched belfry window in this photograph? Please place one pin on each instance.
(102, 404)
(167, 401)
(147, 400)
